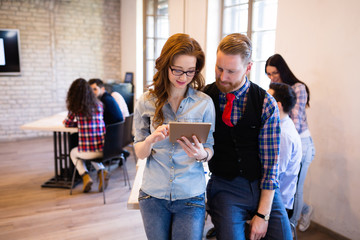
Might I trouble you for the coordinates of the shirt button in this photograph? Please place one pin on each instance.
(172, 167)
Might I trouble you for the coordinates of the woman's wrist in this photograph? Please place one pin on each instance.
(205, 158)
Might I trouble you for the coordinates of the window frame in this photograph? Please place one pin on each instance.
(155, 37)
(250, 33)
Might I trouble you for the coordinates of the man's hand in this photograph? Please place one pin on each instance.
(258, 228)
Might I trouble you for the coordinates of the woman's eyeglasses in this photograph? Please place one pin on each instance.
(179, 73)
(272, 74)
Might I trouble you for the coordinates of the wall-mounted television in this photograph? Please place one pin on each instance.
(9, 52)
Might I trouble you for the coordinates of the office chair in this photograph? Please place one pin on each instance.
(128, 137)
(113, 146)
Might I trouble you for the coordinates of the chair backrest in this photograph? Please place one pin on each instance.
(127, 92)
(114, 136)
(128, 137)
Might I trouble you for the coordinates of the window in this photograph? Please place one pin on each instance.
(156, 33)
(256, 19)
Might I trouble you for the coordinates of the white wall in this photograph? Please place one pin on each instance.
(132, 42)
(213, 35)
(320, 41)
(128, 36)
(59, 42)
(190, 17)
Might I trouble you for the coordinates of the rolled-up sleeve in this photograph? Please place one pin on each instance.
(297, 114)
(70, 120)
(269, 143)
(209, 116)
(141, 121)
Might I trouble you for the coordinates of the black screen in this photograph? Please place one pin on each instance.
(9, 52)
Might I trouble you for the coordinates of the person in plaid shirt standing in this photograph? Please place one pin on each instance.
(86, 113)
(244, 182)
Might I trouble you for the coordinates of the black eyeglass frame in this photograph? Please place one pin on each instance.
(182, 72)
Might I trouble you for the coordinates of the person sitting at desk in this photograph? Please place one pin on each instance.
(121, 102)
(86, 113)
(112, 112)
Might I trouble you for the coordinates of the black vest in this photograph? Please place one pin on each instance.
(236, 149)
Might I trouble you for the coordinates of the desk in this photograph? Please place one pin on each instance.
(63, 165)
(133, 202)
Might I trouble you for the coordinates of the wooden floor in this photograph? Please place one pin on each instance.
(28, 211)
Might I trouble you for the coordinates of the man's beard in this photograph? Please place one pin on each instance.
(230, 87)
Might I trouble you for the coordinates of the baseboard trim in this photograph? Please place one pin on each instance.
(328, 231)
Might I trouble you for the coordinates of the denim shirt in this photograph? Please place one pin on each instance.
(169, 172)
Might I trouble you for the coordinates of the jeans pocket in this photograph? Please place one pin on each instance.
(143, 196)
(198, 201)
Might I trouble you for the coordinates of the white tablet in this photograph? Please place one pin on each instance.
(188, 129)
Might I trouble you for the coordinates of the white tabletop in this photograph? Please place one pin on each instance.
(53, 123)
(133, 202)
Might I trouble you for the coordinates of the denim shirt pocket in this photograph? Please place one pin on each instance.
(190, 119)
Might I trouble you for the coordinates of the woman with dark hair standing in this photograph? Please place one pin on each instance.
(278, 71)
(172, 195)
(86, 113)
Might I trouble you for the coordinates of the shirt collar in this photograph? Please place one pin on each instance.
(190, 93)
(284, 119)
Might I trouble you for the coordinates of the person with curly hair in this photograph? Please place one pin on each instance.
(86, 113)
(172, 194)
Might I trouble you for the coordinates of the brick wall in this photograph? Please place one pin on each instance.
(61, 40)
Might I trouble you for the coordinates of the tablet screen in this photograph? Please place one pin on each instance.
(188, 129)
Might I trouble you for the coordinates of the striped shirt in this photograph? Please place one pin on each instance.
(91, 130)
(269, 136)
(298, 114)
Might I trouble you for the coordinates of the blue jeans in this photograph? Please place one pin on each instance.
(179, 219)
(308, 153)
(232, 203)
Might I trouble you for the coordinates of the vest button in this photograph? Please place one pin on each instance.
(239, 159)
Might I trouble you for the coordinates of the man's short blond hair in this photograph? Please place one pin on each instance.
(236, 43)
